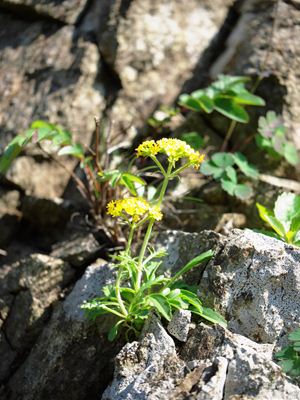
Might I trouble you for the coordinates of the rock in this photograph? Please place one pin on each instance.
(28, 289)
(214, 364)
(142, 41)
(9, 215)
(71, 358)
(255, 47)
(252, 279)
(47, 72)
(65, 11)
(78, 251)
(179, 325)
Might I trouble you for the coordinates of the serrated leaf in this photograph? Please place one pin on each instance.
(230, 109)
(223, 160)
(290, 153)
(268, 216)
(243, 191)
(228, 186)
(209, 168)
(243, 164)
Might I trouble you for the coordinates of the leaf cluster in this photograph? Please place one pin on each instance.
(284, 219)
(271, 137)
(132, 305)
(117, 177)
(289, 356)
(228, 95)
(224, 167)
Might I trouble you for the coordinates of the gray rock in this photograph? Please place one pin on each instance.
(9, 215)
(78, 251)
(65, 10)
(214, 364)
(28, 290)
(179, 325)
(71, 358)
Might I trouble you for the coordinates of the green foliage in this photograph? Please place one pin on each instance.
(271, 137)
(157, 292)
(289, 356)
(116, 177)
(224, 167)
(284, 219)
(162, 117)
(194, 139)
(228, 95)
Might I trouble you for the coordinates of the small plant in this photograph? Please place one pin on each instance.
(98, 184)
(139, 287)
(162, 117)
(289, 356)
(224, 166)
(271, 137)
(284, 219)
(228, 95)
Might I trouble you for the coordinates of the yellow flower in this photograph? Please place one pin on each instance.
(155, 212)
(135, 208)
(174, 149)
(147, 148)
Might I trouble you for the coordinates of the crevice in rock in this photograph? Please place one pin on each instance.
(292, 3)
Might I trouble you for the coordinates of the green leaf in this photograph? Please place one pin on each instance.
(191, 264)
(160, 303)
(243, 164)
(75, 150)
(290, 153)
(243, 191)
(223, 160)
(129, 181)
(230, 109)
(231, 173)
(209, 168)
(114, 331)
(11, 152)
(213, 316)
(194, 139)
(192, 299)
(206, 102)
(268, 216)
(247, 98)
(228, 186)
(287, 207)
(190, 102)
(295, 335)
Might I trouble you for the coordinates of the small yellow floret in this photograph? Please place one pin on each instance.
(135, 208)
(147, 148)
(174, 149)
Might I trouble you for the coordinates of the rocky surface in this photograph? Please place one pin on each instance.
(214, 364)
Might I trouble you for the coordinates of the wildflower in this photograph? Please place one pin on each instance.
(147, 148)
(135, 208)
(174, 149)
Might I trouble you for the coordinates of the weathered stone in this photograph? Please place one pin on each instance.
(72, 356)
(77, 251)
(214, 364)
(65, 10)
(255, 47)
(47, 72)
(252, 279)
(9, 215)
(179, 325)
(28, 289)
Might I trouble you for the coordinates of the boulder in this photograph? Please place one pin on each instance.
(66, 11)
(9, 215)
(28, 290)
(72, 357)
(214, 364)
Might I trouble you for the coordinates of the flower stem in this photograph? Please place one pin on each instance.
(228, 135)
(130, 237)
(118, 294)
(149, 229)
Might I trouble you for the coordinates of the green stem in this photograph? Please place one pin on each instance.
(177, 171)
(153, 158)
(118, 294)
(130, 237)
(228, 135)
(149, 229)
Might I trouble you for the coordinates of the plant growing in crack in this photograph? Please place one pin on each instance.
(139, 287)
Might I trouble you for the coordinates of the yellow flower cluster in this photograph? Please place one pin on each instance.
(135, 208)
(174, 149)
